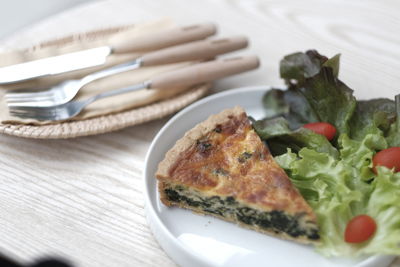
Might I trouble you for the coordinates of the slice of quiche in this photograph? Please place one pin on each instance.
(222, 168)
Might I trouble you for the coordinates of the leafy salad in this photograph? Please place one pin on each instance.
(338, 171)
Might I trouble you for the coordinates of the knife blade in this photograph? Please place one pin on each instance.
(97, 56)
(54, 65)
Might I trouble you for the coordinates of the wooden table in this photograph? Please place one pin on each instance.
(82, 198)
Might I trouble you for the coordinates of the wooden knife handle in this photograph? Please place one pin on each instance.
(198, 50)
(162, 39)
(204, 72)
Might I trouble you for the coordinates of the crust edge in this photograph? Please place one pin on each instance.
(191, 136)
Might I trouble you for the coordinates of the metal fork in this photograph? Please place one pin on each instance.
(66, 91)
(195, 74)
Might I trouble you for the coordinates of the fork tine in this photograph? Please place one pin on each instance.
(26, 91)
(31, 114)
(22, 114)
(26, 98)
(43, 111)
(29, 104)
(30, 101)
(25, 109)
(20, 96)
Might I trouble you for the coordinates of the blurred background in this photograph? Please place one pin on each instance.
(366, 33)
(17, 14)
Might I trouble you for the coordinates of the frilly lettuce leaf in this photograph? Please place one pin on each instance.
(316, 94)
(289, 104)
(384, 207)
(371, 116)
(269, 128)
(313, 92)
(297, 67)
(280, 137)
(312, 78)
(333, 63)
(275, 103)
(330, 99)
(393, 137)
(339, 189)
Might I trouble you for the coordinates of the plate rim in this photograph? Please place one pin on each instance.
(169, 243)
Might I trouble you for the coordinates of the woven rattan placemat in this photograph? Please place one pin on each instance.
(107, 123)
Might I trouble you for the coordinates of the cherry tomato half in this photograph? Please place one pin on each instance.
(389, 158)
(323, 128)
(359, 229)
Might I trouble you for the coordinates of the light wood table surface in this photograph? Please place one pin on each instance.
(82, 198)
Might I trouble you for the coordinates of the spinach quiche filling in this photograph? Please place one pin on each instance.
(275, 220)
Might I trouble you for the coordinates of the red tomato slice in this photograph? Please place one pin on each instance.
(323, 128)
(359, 229)
(389, 158)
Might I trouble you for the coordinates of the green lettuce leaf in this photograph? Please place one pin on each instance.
(339, 189)
(313, 92)
(274, 103)
(333, 63)
(384, 207)
(297, 67)
(280, 137)
(291, 105)
(315, 77)
(393, 137)
(372, 116)
(377, 115)
(330, 99)
(269, 128)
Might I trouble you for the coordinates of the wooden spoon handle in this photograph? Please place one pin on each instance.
(162, 39)
(198, 50)
(205, 72)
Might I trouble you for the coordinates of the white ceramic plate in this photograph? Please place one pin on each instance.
(195, 240)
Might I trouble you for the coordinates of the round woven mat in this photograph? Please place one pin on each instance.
(106, 123)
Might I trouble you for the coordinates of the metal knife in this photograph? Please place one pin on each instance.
(97, 56)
